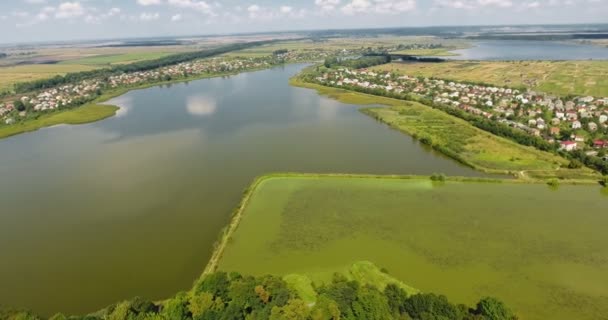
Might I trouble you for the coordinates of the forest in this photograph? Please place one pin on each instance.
(235, 296)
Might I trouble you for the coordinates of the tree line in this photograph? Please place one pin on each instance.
(234, 296)
(360, 63)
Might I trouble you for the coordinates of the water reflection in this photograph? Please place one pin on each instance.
(201, 105)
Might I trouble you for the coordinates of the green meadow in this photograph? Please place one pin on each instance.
(541, 250)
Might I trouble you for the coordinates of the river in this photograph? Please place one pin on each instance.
(530, 50)
(131, 205)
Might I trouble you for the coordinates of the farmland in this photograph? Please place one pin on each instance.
(47, 63)
(434, 237)
(557, 77)
(107, 60)
(25, 73)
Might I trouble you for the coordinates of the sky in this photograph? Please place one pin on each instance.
(52, 20)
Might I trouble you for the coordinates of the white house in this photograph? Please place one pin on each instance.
(568, 145)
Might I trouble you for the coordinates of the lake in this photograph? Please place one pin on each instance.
(132, 205)
(530, 50)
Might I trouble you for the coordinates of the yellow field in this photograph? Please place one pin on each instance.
(11, 75)
(559, 77)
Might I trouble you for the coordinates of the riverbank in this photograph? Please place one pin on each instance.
(437, 251)
(457, 138)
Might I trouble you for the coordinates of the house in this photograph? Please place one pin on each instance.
(576, 125)
(578, 138)
(568, 145)
(599, 144)
(603, 118)
(592, 126)
(554, 131)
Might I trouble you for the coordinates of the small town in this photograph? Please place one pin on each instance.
(579, 123)
(73, 95)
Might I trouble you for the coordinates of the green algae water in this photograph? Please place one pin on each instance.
(541, 250)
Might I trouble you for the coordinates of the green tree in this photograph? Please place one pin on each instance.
(176, 308)
(493, 309)
(216, 283)
(371, 304)
(431, 306)
(295, 309)
(396, 297)
(325, 309)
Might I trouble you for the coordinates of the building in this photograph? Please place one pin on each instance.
(568, 145)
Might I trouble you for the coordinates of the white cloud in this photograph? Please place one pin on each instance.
(379, 6)
(532, 5)
(177, 17)
(327, 5)
(200, 6)
(148, 2)
(146, 16)
(95, 19)
(113, 12)
(68, 10)
(473, 4)
(35, 1)
(286, 9)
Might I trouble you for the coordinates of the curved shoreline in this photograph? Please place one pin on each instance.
(46, 120)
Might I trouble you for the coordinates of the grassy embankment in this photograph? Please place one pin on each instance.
(88, 113)
(557, 77)
(458, 138)
(460, 246)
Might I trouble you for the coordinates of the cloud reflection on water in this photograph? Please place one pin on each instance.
(201, 106)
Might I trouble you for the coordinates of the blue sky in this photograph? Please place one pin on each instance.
(42, 20)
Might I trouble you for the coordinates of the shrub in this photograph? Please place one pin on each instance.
(438, 177)
(493, 309)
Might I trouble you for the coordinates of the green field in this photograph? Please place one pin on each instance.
(558, 77)
(541, 250)
(458, 138)
(85, 114)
